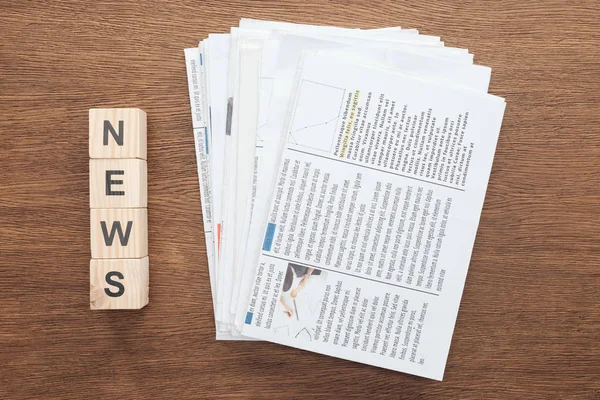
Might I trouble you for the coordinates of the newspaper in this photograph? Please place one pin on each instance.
(374, 214)
(342, 174)
(289, 53)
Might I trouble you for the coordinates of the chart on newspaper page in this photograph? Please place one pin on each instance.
(314, 127)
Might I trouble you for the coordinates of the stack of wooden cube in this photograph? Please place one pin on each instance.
(119, 271)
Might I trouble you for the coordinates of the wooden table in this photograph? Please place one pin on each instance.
(529, 324)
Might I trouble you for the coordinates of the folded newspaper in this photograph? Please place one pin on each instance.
(342, 176)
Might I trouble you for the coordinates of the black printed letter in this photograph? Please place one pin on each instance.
(109, 128)
(116, 226)
(119, 285)
(110, 182)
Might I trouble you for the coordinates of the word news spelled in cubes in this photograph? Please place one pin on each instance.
(119, 269)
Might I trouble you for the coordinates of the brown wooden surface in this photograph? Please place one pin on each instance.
(529, 323)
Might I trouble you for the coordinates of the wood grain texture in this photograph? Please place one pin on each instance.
(529, 323)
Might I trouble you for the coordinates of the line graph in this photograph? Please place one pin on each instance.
(316, 116)
(264, 106)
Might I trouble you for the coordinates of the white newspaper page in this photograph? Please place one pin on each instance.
(290, 52)
(232, 215)
(280, 59)
(217, 65)
(386, 33)
(247, 100)
(228, 186)
(374, 214)
(195, 75)
(214, 54)
(264, 103)
(195, 65)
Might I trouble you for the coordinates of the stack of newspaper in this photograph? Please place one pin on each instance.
(342, 176)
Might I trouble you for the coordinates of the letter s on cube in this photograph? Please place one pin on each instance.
(119, 284)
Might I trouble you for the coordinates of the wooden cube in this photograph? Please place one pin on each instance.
(119, 284)
(118, 183)
(119, 232)
(117, 133)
